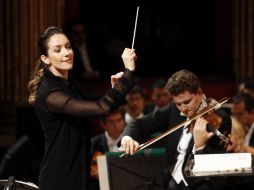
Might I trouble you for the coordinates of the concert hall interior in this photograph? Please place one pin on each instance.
(211, 38)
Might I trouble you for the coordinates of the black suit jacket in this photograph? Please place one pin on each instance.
(99, 143)
(252, 140)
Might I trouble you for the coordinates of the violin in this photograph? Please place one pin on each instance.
(214, 122)
(213, 119)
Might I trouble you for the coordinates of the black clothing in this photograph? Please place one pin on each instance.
(252, 140)
(98, 63)
(166, 118)
(78, 65)
(99, 143)
(61, 111)
(172, 185)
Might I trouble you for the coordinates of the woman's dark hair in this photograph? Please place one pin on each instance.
(45, 36)
(182, 81)
(36, 78)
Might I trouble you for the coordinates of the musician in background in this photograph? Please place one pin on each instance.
(136, 106)
(113, 125)
(86, 63)
(247, 86)
(188, 100)
(160, 96)
(243, 110)
(236, 137)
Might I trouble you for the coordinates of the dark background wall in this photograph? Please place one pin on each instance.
(171, 35)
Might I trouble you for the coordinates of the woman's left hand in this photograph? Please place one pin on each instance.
(115, 78)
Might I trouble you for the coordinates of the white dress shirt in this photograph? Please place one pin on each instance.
(181, 148)
(112, 143)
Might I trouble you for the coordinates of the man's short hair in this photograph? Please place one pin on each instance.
(246, 99)
(160, 83)
(119, 110)
(182, 81)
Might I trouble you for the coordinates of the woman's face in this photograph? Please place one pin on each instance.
(60, 55)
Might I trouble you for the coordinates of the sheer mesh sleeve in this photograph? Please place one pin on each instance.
(61, 102)
(126, 82)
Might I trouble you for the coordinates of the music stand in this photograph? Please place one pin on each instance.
(143, 171)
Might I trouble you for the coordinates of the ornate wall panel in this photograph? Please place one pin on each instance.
(242, 19)
(20, 25)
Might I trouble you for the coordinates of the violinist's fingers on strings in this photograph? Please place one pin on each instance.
(200, 123)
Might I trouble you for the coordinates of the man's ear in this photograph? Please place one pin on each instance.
(45, 59)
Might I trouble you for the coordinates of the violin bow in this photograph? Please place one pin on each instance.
(187, 122)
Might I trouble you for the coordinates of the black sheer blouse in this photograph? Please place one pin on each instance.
(61, 110)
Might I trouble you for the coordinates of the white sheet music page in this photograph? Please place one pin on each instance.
(228, 162)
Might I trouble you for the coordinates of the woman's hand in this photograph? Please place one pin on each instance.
(115, 78)
(129, 57)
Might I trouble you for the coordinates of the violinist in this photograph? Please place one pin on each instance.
(107, 141)
(188, 100)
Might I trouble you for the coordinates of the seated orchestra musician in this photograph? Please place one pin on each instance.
(107, 141)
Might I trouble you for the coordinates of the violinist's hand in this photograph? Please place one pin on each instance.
(129, 57)
(115, 78)
(129, 145)
(200, 134)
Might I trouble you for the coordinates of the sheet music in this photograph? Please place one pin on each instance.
(229, 162)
